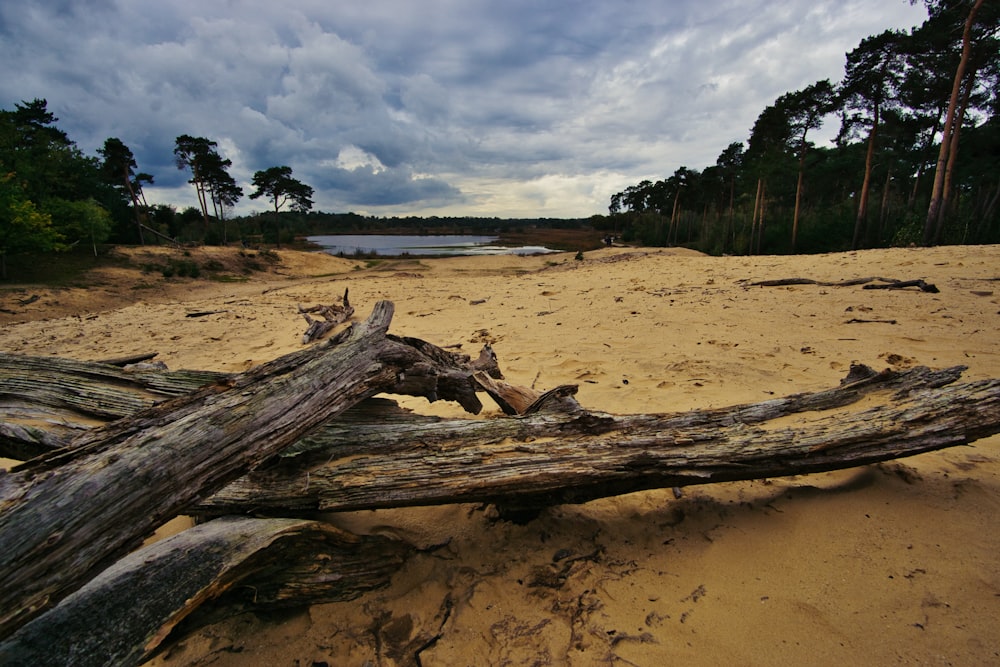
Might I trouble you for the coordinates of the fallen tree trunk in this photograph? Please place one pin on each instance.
(68, 515)
(124, 613)
(373, 461)
(379, 457)
(869, 283)
(370, 461)
(46, 401)
(374, 457)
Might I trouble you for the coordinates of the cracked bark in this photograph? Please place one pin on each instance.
(241, 563)
(69, 514)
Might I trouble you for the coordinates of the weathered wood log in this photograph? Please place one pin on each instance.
(205, 313)
(869, 283)
(161, 235)
(67, 515)
(332, 315)
(125, 612)
(46, 401)
(398, 459)
(548, 458)
(652, 446)
(923, 285)
(857, 320)
(515, 400)
(366, 438)
(130, 359)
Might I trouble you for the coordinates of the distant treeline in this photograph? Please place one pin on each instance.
(315, 223)
(916, 159)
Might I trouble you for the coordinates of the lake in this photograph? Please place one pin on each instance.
(392, 245)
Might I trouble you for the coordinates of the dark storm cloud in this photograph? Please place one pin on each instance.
(490, 108)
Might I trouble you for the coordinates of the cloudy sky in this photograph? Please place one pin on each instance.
(509, 108)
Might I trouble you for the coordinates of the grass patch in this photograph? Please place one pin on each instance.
(255, 261)
(390, 264)
(181, 268)
(78, 267)
(555, 239)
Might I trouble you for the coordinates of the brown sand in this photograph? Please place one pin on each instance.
(891, 564)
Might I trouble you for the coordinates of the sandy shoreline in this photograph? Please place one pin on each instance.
(896, 563)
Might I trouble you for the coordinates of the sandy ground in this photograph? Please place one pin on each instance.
(892, 564)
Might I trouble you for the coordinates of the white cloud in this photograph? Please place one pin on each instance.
(352, 158)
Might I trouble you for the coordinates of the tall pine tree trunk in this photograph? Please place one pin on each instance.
(859, 223)
(674, 226)
(732, 214)
(760, 221)
(920, 168)
(931, 230)
(756, 214)
(798, 193)
(948, 189)
(135, 204)
(277, 224)
(884, 208)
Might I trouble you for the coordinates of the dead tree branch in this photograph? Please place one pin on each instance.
(68, 515)
(880, 283)
(240, 563)
(332, 315)
(366, 460)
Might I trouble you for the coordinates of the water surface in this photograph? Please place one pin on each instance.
(392, 245)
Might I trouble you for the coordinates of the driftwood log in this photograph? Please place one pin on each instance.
(126, 611)
(46, 401)
(367, 461)
(69, 514)
(332, 315)
(874, 282)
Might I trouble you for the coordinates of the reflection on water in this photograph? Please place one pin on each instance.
(389, 245)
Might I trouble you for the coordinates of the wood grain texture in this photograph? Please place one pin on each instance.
(67, 515)
(368, 461)
(125, 612)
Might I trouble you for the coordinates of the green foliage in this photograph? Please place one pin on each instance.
(277, 184)
(48, 189)
(23, 227)
(215, 187)
(125, 199)
(80, 221)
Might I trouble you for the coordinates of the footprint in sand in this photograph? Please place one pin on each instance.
(897, 360)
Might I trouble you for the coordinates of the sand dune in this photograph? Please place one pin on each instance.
(892, 564)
